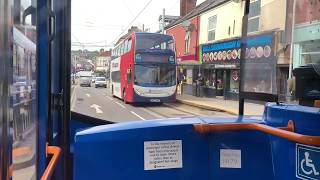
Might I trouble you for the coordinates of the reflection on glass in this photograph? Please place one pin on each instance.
(24, 93)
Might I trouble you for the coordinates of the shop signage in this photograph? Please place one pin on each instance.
(225, 66)
(221, 52)
(258, 47)
(186, 58)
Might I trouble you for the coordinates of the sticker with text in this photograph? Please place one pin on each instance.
(230, 158)
(162, 154)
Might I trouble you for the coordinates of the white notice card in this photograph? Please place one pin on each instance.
(162, 154)
(230, 158)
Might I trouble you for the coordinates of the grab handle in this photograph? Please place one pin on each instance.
(55, 151)
(286, 132)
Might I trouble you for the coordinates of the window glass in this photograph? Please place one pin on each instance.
(121, 49)
(253, 24)
(310, 52)
(152, 75)
(126, 46)
(24, 91)
(277, 35)
(212, 23)
(254, 16)
(187, 42)
(154, 41)
(100, 79)
(234, 81)
(129, 44)
(255, 8)
(115, 76)
(211, 35)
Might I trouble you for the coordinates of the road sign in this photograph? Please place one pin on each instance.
(307, 162)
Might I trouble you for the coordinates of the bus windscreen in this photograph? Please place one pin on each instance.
(154, 41)
(154, 75)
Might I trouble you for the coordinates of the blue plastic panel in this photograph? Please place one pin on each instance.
(306, 121)
(117, 151)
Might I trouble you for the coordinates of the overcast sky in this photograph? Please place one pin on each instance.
(100, 22)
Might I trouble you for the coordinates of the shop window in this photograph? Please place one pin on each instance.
(254, 16)
(187, 42)
(209, 77)
(310, 52)
(234, 81)
(212, 25)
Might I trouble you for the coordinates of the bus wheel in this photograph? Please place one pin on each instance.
(125, 97)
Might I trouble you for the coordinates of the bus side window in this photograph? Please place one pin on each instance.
(129, 44)
(129, 75)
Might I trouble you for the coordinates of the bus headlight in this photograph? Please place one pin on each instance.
(138, 57)
(138, 92)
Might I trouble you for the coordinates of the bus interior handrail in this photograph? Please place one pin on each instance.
(55, 152)
(284, 132)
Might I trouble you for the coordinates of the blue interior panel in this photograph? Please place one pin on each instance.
(117, 151)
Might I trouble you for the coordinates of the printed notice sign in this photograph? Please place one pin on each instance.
(230, 158)
(162, 154)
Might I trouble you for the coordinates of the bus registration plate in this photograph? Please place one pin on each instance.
(154, 100)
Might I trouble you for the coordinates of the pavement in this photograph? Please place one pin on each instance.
(216, 104)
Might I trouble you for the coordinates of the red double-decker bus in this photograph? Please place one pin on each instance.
(143, 68)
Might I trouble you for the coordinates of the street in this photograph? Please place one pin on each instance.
(98, 102)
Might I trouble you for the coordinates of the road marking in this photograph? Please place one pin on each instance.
(137, 115)
(156, 115)
(111, 99)
(88, 95)
(97, 108)
(120, 105)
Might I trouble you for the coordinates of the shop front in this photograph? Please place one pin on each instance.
(188, 71)
(221, 63)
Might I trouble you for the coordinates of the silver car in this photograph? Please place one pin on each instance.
(100, 82)
(85, 81)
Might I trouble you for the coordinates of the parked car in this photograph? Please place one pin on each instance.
(100, 82)
(85, 81)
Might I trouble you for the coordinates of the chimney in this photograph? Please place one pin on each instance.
(186, 6)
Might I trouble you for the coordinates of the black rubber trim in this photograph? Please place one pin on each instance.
(88, 119)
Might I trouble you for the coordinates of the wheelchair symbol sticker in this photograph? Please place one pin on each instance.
(307, 162)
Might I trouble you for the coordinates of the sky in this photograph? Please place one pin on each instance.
(101, 22)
